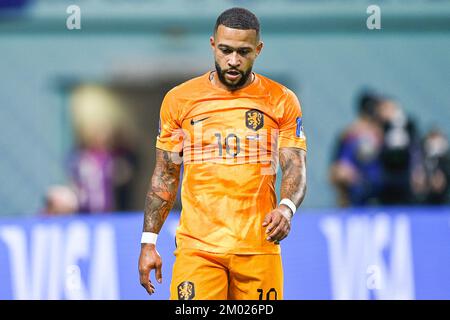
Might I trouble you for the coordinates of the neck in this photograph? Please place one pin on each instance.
(214, 78)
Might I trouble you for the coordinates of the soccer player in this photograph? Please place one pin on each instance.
(230, 127)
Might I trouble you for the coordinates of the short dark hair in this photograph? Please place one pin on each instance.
(238, 18)
(367, 102)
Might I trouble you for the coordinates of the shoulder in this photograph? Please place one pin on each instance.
(274, 86)
(277, 90)
(187, 89)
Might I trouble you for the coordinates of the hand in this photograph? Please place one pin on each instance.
(278, 226)
(148, 260)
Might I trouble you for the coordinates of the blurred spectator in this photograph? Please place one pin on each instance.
(92, 172)
(436, 153)
(60, 200)
(400, 156)
(125, 163)
(104, 165)
(356, 167)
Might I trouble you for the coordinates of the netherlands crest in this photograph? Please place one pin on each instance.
(186, 290)
(254, 119)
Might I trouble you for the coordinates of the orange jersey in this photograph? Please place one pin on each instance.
(230, 143)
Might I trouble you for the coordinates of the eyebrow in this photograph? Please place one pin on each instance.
(224, 46)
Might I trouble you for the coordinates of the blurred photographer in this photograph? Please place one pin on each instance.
(400, 155)
(355, 170)
(436, 153)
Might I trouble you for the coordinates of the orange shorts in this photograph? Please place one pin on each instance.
(202, 275)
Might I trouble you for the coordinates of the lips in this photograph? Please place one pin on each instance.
(232, 74)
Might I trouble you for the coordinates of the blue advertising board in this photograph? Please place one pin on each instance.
(378, 253)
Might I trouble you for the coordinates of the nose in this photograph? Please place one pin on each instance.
(233, 60)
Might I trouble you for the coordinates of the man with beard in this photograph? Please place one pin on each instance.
(229, 127)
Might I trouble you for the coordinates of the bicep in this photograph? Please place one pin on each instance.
(168, 162)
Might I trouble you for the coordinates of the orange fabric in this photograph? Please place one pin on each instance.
(200, 275)
(230, 143)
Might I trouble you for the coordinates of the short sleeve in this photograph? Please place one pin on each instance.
(170, 134)
(291, 124)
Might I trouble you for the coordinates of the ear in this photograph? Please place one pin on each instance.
(212, 43)
(259, 47)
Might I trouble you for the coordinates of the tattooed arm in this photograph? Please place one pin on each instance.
(293, 187)
(158, 203)
(293, 181)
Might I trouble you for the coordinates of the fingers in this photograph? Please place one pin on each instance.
(151, 288)
(277, 232)
(149, 260)
(280, 232)
(267, 219)
(145, 281)
(158, 272)
(274, 223)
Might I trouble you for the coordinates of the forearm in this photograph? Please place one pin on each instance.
(293, 180)
(156, 211)
(162, 192)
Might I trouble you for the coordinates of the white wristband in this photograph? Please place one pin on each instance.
(149, 237)
(287, 202)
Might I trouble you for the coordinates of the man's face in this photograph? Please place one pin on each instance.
(234, 53)
(387, 111)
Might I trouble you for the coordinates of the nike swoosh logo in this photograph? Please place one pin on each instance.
(197, 121)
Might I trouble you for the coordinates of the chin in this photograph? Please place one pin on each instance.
(232, 84)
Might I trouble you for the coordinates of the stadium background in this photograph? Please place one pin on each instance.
(129, 53)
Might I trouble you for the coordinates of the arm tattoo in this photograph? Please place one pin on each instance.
(162, 191)
(293, 181)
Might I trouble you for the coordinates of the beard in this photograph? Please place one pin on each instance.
(233, 86)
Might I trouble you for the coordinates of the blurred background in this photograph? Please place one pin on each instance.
(79, 109)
